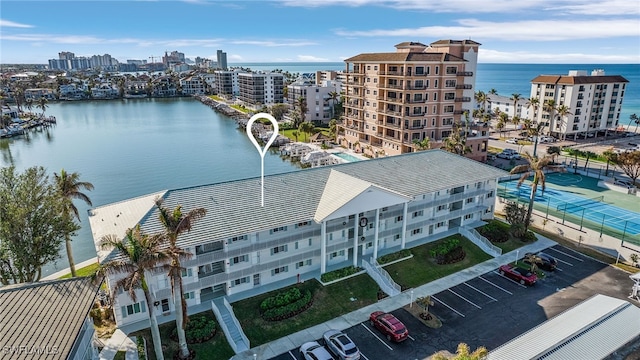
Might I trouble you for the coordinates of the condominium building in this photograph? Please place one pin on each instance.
(259, 89)
(313, 221)
(221, 59)
(594, 102)
(317, 97)
(226, 82)
(504, 104)
(418, 92)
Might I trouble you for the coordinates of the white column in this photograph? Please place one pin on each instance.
(375, 236)
(404, 225)
(323, 247)
(355, 240)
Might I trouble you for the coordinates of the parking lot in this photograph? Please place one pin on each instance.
(490, 309)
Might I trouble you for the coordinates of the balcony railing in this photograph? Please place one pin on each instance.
(464, 73)
(462, 99)
(464, 86)
(393, 73)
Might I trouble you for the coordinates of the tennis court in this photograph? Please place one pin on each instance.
(564, 198)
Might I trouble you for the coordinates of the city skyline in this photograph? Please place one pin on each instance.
(537, 31)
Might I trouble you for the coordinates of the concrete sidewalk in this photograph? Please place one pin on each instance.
(119, 341)
(282, 345)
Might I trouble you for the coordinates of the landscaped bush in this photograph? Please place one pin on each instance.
(394, 256)
(530, 236)
(288, 310)
(340, 273)
(199, 329)
(448, 252)
(495, 231)
(142, 354)
(281, 299)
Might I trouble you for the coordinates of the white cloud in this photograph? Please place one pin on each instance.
(598, 8)
(273, 43)
(7, 23)
(454, 6)
(529, 30)
(233, 57)
(311, 58)
(496, 56)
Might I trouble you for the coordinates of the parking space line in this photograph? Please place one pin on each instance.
(557, 268)
(376, 336)
(513, 281)
(450, 308)
(362, 356)
(293, 356)
(505, 290)
(481, 292)
(411, 337)
(463, 298)
(565, 254)
(564, 262)
(590, 258)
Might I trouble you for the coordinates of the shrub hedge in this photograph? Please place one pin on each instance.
(289, 310)
(281, 299)
(199, 329)
(446, 247)
(340, 273)
(394, 256)
(495, 231)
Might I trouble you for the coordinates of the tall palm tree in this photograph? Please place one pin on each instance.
(456, 142)
(610, 155)
(500, 126)
(635, 119)
(535, 130)
(70, 187)
(42, 104)
(537, 166)
(301, 103)
(562, 111)
(175, 223)
(423, 144)
(550, 107)
(515, 121)
(333, 96)
(515, 98)
(29, 104)
(481, 97)
(534, 103)
(503, 117)
(139, 254)
(493, 91)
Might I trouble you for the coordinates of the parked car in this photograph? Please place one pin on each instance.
(523, 276)
(630, 134)
(504, 155)
(543, 261)
(625, 183)
(312, 350)
(341, 345)
(509, 151)
(512, 141)
(389, 325)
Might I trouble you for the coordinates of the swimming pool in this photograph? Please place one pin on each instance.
(348, 157)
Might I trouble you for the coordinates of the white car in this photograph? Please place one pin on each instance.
(512, 141)
(341, 345)
(313, 351)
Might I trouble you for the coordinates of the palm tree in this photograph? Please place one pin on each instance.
(537, 166)
(29, 104)
(535, 104)
(610, 155)
(302, 106)
(503, 118)
(69, 186)
(463, 353)
(515, 98)
(456, 142)
(535, 130)
(176, 223)
(423, 144)
(493, 92)
(500, 126)
(481, 98)
(550, 107)
(553, 151)
(635, 119)
(139, 253)
(307, 128)
(562, 111)
(42, 104)
(515, 121)
(333, 96)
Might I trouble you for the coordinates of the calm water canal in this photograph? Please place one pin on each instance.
(129, 148)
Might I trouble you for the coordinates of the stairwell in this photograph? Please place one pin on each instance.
(230, 325)
(381, 277)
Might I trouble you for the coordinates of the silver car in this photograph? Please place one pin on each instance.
(341, 345)
(314, 351)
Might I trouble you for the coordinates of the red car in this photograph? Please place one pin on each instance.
(393, 328)
(523, 276)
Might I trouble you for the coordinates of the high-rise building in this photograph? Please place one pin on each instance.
(591, 103)
(261, 88)
(395, 99)
(222, 59)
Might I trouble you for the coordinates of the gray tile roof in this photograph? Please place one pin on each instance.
(45, 316)
(233, 208)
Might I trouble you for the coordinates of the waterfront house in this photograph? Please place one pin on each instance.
(313, 221)
(38, 93)
(48, 320)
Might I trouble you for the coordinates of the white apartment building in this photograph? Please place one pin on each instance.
(257, 89)
(313, 221)
(594, 102)
(418, 92)
(504, 104)
(319, 103)
(226, 82)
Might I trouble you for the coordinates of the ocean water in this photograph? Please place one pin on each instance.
(507, 79)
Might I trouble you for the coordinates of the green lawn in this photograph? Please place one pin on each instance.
(422, 268)
(216, 348)
(85, 271)
(328, 302)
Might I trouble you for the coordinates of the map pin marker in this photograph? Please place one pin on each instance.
(264, 150)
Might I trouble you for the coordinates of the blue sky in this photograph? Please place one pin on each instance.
(530, 31)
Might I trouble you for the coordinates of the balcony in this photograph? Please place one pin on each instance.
(392, 86)
(414, 101)
(393, 113)
(415, 87)
(464, 73)
(458, 112)
(392, 73)
(462, 99)
(353, 104)
(420, 114)
(464, 86)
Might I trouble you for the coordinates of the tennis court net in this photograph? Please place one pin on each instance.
(579, 205)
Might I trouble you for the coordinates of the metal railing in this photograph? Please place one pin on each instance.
(225, 328)
(382, 277)
(482, 242)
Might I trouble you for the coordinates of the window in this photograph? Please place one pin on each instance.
(238, 238)
(399, 218)
(490, 194)
(133, 309)
(304, 223)
(416, 231)
(239, 259)
(449, 96)
(281, 228)
(300, 264)
(279, 270)
(165, 305)
(418, 213)
(468, 216)
(451, 70)
(240, 281)
(450, 83)
(440, 224)
(187, 273)
(443, 207)
(279, 249)
(189, 295)
(468, 201)
(335, 254)
(419, 70)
